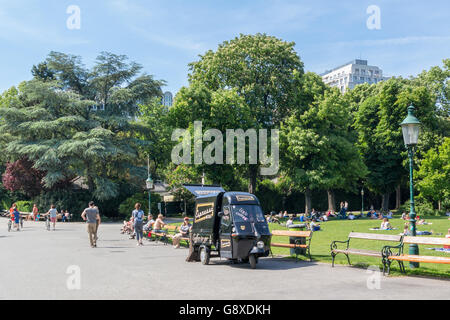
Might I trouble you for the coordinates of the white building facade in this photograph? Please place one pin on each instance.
(351, 74)
(167, 99)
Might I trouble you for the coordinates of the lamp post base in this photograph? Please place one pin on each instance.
(413, 250)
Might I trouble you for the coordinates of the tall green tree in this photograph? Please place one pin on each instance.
(82, 123)
(434, 174)
(318, 151)
(260, 68)
(380, 139)
(221, 109)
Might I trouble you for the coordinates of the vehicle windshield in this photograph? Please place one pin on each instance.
(247, 213)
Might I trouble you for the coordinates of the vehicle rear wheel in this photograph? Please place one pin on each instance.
(204, 255)
(253, 261)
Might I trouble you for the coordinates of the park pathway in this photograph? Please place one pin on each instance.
(40, 264)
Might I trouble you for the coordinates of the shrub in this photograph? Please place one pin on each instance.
(127, 206)
(24, 206)
(64, 199)
(423, 207)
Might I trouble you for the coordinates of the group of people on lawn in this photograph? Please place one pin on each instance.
(135, 227)
(312, 220)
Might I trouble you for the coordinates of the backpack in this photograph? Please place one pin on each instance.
(139, 216)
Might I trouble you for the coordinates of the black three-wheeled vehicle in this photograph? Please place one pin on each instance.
(228, 225)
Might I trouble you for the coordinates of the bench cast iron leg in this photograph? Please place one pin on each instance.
(348, 259)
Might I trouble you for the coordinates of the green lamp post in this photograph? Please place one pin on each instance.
(149, 183)
(362, 202)
(411, 129)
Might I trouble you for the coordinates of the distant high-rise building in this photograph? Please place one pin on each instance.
(167, 99)
(349, 75)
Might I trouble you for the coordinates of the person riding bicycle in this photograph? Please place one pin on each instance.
(16, 217)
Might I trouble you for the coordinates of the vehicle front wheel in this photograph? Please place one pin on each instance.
(253, 260)
(204, 255)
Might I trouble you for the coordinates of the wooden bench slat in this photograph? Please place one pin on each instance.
(288, 245)
(424, 259)
(299, 234)
(374, 236)
(369, 253)
(427, 241)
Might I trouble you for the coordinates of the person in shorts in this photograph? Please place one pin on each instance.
(92, 217)
(53, 213)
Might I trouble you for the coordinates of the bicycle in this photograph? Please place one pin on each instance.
(47, 223)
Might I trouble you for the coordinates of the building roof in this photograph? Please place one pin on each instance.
(355, 61)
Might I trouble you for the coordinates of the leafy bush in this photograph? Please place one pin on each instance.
(24, 206)
(64, 199)
(127, 206)
(423, 207)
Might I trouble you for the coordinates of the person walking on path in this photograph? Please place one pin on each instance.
(92, 218)
(35, 212)
(53, 213)
(138, 220)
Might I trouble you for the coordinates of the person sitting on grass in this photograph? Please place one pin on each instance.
(370, 214)
(273, 218)
(331, 213)
(314, 226)
(386, 225)
(405, 229)
(290, 224)
(421, 222)
(184, 233)
(448, 237)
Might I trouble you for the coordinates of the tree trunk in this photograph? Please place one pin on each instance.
(253, 173)
(385, 201)
(398, 197)
(439, 205)
(307, 200)
(331, 201)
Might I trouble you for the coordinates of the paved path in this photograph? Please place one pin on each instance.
(34, 263)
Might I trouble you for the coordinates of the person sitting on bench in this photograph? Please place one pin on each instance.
(184, 233)
(159, 224)
(149, 224)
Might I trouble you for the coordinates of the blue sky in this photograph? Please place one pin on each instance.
(164, 36)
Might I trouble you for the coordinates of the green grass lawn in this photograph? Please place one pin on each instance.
(339, 230)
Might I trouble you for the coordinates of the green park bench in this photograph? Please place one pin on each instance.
(302, 241)
(400, 257)
(335, 250)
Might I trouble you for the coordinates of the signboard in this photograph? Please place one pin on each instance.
(169, 199)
